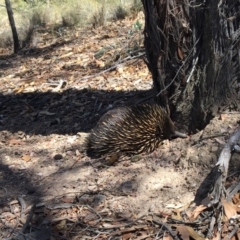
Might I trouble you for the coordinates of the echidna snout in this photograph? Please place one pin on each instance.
(131, 130)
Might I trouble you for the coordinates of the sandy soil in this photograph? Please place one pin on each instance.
(42, 157)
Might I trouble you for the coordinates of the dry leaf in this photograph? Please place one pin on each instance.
(183, 231)
(178, 215)
(236, 202)
(167, 236)
(223, 116)
(229, 209)
(220, 141)
(14, 141)
(67, 200)
(217, 236)
(127, 236)
(78, 153)
(112, 159)
(99, 63)
(194, 234)
(174, 206)
(66, 55)
(26, 158)
(236, 198)
(61, 225)
(18, 90)
(197, 211)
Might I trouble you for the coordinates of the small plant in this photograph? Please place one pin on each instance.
(120, 13)
(136, 7)
(36, 18)
(135, 36)
(99, 18)
(137, 26)
(70, 19)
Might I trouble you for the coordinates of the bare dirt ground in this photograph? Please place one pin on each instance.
(48, 106)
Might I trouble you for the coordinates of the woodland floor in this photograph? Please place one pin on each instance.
(47, 108)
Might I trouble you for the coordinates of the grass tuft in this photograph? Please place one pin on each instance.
(60, 14)
(120, 13)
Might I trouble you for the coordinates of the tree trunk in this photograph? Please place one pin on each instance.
(13, 26)
(193, 54)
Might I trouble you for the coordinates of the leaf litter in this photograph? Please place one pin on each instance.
(51, 96)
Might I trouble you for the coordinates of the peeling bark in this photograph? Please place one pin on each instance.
(193, 54)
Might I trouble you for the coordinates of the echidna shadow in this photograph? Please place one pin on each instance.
(130, 130)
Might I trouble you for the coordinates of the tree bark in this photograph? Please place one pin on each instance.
(13, 26)
(193, 54)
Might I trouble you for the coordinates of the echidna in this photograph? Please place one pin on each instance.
(130, 130)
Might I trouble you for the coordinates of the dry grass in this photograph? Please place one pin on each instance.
(60, 14)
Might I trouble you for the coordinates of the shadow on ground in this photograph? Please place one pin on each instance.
(38, 113)
(68, 112)
(92, 187)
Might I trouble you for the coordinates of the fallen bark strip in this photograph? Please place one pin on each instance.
(222, 169)
(29, 219)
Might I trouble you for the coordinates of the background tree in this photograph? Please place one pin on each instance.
(193, 54)
(13, 26)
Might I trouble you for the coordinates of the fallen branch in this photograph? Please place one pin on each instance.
(167, 228)
(29, 219)
(222, 169)
(111, 68)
